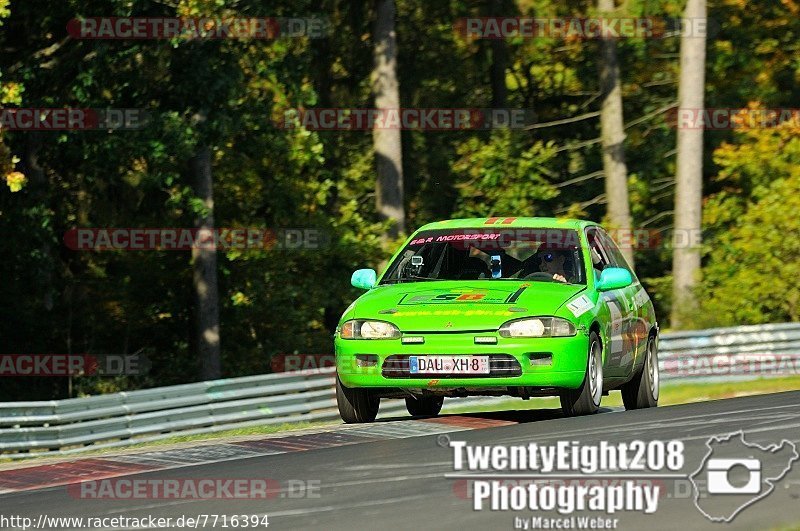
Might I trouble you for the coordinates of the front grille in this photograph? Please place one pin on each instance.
(500, 365)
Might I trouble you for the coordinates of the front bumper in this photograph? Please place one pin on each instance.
(566, 369)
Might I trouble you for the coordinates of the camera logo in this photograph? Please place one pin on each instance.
(718, 482)
(735, 474)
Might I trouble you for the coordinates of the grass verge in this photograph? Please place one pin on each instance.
(671, 394)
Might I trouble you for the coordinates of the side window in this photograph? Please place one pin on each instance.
(598, 255)
(614, 254)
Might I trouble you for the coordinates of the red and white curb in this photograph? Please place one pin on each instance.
(97, 468)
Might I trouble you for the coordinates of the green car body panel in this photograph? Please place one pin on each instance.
(450, 314)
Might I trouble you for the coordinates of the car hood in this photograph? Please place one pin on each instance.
(444, 306)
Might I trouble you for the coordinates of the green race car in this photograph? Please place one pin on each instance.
(498, 306)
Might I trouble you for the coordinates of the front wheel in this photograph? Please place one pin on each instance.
(427, 406)
(642, 391)
(586, 399)
(356, 405)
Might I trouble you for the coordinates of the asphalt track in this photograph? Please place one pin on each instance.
(399, 483)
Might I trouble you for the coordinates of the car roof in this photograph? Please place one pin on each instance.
(509, 222)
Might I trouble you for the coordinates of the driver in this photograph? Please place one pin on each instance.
(555, 264)
(552, 263)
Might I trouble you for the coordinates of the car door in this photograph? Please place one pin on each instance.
(632, 343)
(620, 354)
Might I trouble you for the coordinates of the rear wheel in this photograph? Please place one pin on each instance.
(642, 391)
(424, 406)
(356, 405)
(586, 399)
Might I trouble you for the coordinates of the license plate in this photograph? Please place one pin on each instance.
(448, 364)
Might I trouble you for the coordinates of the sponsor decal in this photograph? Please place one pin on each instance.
(502, 221)
(640, 299)
(466, 313)
(457, 296)
(563, 239)
(580, 306)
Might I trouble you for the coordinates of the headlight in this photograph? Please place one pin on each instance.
(365, 329)
(538, 327)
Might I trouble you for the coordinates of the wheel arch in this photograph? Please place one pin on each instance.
(595, 327)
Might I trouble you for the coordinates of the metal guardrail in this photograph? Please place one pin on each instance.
(740, 352)
(62, 427)
(121, 419)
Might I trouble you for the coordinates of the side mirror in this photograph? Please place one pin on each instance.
(364, 278)
(614, 278)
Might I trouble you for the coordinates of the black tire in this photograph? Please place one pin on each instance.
(586, 399)
(356, 405)
(427, 406)
(643, 390)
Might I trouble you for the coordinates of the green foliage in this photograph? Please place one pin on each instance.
(10, 95)
(752, 257)
(503, 176)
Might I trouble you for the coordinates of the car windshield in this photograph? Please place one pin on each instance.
(536, 254)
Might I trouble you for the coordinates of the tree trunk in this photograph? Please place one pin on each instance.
(498, 73)
(613, 138)
(689, 178)
(499, 60)
(204, 261)
(388, 152)
(40, 194)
